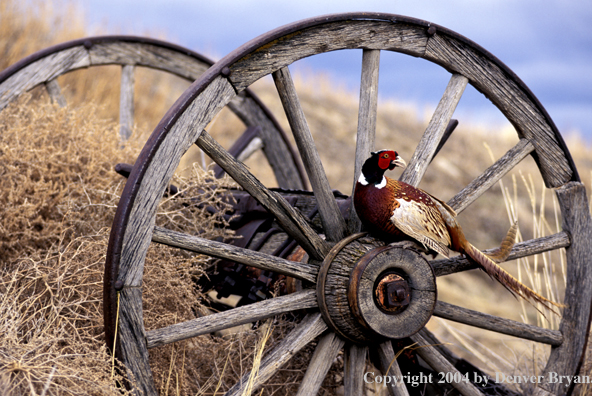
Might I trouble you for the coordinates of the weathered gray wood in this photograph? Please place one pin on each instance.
(436, 361)
(491, 175)
(275, 148)
(448, 355)
(165, 160)
(422, 290)
(333, 222)
(337, 285)
(175, 61)
(514, 102)
(322, 359)
(565, 359)
(304, 201)
(233, 253)
(131, 336)
(452, 124)
(324, 38)
(538, 391)
(390, 368)
(243, 147)
(252, 147)
(123, 53)
(521, 249)
(354, 367)
(366, 123)
(46, 69)
(182, 132)
(428, 144)
(55, 92)
(149, 55)
(451, 357)
(126, 102)
(456, 55)
(224, 320)
(497, 324)
(291, 220)
(311, 327)
(442, 348)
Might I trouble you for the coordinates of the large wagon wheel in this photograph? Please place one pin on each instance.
(346, 266)
(45, 66)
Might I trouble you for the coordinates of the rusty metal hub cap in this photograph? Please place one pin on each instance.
(392, 293)
(368, 292)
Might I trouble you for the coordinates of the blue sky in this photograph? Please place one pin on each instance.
(547, 43)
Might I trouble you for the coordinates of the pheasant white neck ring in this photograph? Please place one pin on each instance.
(362, 180)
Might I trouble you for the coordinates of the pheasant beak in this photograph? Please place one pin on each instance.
(398, 161)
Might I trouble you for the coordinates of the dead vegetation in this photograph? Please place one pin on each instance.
(58, 199)
(58, 194)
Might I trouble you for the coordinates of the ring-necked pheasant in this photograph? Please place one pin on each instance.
(394, 210)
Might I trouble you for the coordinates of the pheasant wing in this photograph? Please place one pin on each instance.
(423, 222)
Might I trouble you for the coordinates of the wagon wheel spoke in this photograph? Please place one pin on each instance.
(234, 317)
(126, 102)
(55, 92)
(289, 174)
(491, 175)
(447, 133)
(331, 217)
(520, 249)
(433, 135)
(497, 324)
(307, 330)
(441, 365)
(289, 218)
(439, 345)
(366, 122)
(243, 147)
(354, 367)
(325, 353)
(226, 251)
(390, 367)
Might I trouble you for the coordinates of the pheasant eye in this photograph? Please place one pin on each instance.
(385, 156)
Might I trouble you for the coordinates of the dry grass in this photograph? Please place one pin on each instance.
(55, 163)
(58, 198)
(30, 25)
(58, 194)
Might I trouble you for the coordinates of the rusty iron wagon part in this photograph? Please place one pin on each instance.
(44, 67)
(133, 228)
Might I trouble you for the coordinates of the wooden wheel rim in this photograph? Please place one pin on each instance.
(134, 220)
(46, 65)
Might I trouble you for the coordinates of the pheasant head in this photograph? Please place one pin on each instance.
(378, 163)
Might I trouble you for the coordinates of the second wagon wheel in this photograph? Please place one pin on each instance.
(130, 52)
(344, 268)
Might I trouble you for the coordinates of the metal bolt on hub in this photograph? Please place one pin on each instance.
(392, 293)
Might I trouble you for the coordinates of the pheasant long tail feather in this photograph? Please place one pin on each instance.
(506, 279)
(501, 254)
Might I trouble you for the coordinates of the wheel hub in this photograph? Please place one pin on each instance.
(368, 291)
(392, 293)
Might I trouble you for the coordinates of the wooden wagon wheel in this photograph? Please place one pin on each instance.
(344, 265)
(45, 66)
